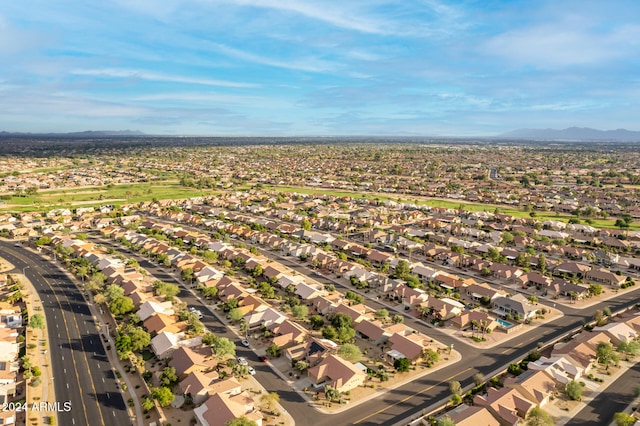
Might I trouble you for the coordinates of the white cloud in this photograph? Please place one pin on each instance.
(331, 14)
(306, 64)
(564, 44)
(151, 76)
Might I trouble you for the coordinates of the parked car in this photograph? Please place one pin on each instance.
(263, 358)
(245, 343)
(252, 371)
(242, 361)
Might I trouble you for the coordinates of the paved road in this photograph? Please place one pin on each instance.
(82, 373)
(413, 397)
(616, 398)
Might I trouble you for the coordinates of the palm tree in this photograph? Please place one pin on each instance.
(474, 326)
(244, 327)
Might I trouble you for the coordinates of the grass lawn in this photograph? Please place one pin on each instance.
(95, 196)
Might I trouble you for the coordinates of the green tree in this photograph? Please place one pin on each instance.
(163, 395)
(542, 262)
(169, 377)
(241, 421)
(331, 393)
(147, 404)
(455, 387)
(273, 350)
(397, 319)
(350, 352)
(382, 314)
(345, 334)
(316, 321)
(301, 365)
(36, 321)
(478, 379)
(161, 288)
(235, 314)
(445, 421)
(595, 289)
(629, 347)
(209, 338)
(402, 365)
(270, 400)
(538, 417)
(329, 332)
(121, 305)
(573, 390)
(96, 282)
(123, 346)
(140, 338)
(605, 354)
(113, 292)
(402, 269)
(430, 356)
(624, 419)
(306, 224)
(240, 370)
(300, 311)
(223, 347)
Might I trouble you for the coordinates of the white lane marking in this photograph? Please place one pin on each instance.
(65, 371)
(103, 380)
(108, 395)
(67, 385)
(73, 420)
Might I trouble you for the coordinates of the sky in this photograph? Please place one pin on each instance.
(330, 67)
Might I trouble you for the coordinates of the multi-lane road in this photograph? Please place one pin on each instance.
(413, 397)
(82, 373)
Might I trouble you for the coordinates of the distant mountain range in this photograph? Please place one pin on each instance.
(87, 133)
(574, 134)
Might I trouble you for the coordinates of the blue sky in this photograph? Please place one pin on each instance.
(331, 67)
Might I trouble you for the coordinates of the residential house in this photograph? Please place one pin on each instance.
(408, 346)
(149, 308)
(516, 305)
(466, 318)
(288, 333)
(313, 351)
(219, 409)
(187, 360)
(442, 309)
(477, 292)
(356, 312)
(196, 385)
(581, 351)
(558, 367)
(473, 416)
(605, 276)
(159, 322)
(337, 373)
(506, 404)
(536, 386)
(266, 317)
(617, 332)
(373, 331)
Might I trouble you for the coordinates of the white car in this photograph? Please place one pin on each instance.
(242, 361)
(252, 371)
(245, 343)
